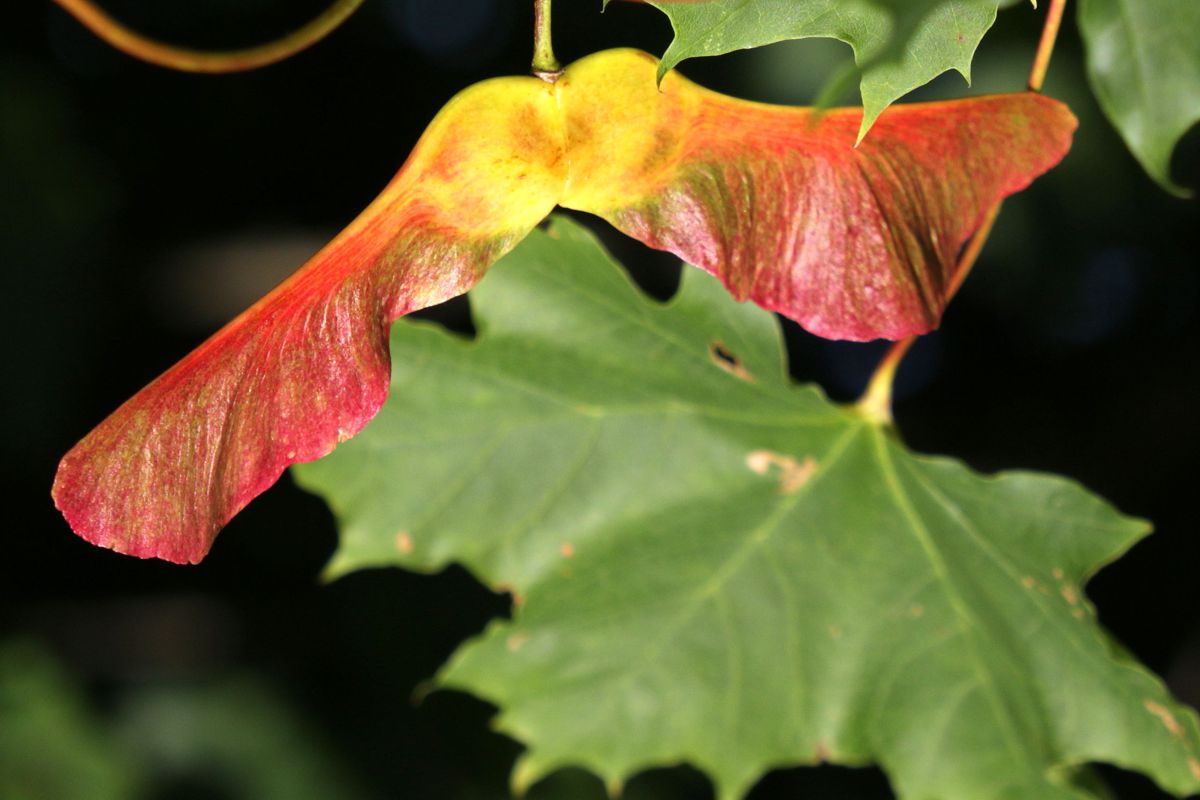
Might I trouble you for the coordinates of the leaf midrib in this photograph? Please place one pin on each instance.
(755, 540)
(967, 623)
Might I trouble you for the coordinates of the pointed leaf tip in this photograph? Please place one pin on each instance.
(898, 45)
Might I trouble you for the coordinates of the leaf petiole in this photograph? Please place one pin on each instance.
(545, 65)
(876, 402)
(1041, 59)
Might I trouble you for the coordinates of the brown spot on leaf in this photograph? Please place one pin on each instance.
(835, 632)
(515, 641)
(567, 549)
(916, 610)
(1058, 574)
(792, 475)
(723, 358)
(1077, 613)
(1168, 719)
(1070, 595)
(822, 753)
(1194, 766)
(1028, 582)
(404, 542)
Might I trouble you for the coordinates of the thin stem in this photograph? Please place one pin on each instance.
(1041, 59)
(876, 402)
(545, 65)
(971, 252)
(165, 55)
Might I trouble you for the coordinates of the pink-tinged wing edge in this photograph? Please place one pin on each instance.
(308, 366)
(302, 370)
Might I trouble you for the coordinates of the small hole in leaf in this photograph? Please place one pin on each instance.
(726, 360)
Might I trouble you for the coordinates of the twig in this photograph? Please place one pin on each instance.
(876, 401)
(187, 60)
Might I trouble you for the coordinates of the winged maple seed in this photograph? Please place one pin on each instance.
(852, 243)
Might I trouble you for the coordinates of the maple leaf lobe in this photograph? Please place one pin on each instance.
(881, 606)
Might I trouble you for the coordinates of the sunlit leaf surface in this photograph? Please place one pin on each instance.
(716, 566)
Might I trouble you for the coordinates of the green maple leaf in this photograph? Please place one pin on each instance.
(1143, 60)
(716, 566)
(898, 44)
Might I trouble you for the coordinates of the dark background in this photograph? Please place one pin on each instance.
(141, 208)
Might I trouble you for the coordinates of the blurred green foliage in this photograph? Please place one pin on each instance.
(232, 738)
(52, 745)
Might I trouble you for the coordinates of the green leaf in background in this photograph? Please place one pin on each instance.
(715, 566)
(1143, 61)
(51, 745)
(898, 44)
(236, 735)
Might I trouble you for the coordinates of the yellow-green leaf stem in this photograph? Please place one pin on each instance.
(1041, 59)
(545, 65)
(876, 402)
